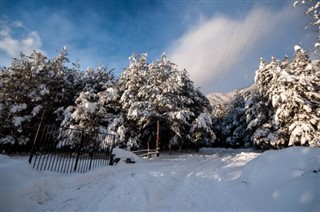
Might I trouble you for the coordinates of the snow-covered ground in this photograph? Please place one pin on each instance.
(213, 180)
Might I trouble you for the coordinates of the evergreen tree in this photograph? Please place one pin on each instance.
(232, 123)
(160, 92)
(292, 88)
(94, 109)
(30, 85)
(258, 114)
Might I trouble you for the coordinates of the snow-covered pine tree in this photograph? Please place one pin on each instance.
(233, 126)
(258, 114)
(30, 85)
(160, 92)
(94, 109)
(132, 79)
(292, 88)
(202, 130)
(236, 120)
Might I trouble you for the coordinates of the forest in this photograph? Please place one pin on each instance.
(281, 109)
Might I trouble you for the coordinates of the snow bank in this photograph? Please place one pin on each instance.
(284, 180)
(123, 155)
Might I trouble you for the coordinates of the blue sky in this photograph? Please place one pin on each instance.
(218, 42)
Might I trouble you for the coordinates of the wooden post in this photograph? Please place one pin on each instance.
(158, 139)
(79, 151)
(36, 136)
(149, 155)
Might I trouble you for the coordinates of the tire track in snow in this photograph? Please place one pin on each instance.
(207, 178)
(179, 182)
(187, 180)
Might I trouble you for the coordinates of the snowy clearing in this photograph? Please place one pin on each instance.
(213, 180)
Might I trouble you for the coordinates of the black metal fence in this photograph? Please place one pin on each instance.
(68, 150)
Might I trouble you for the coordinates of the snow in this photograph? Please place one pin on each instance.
(202, 121)
(213, 180)
(90, 107)
(113, 92)
(17, 120)
(183, 115)
(253, 123)
(7, 140)
(18, 108)
(36, 110)
(43, 89)
(287, 179)
(220, 98)
(297, 48)
(133, 112)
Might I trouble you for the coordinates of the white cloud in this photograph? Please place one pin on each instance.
(11, 46)
(216, 49)
(31, 42)
(8, 44)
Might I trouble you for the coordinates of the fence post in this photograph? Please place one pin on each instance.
(36, 137)
(79, 151)
(149, 155)
(110, 150)
(158, 139)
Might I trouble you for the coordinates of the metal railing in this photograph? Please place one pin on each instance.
(68, 150)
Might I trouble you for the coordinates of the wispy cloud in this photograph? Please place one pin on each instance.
(219, 49)
(11, 45)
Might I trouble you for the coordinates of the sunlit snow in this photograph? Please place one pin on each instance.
(213, 180)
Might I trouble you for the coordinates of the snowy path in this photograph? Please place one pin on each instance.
(210, 181)
(155, 185)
